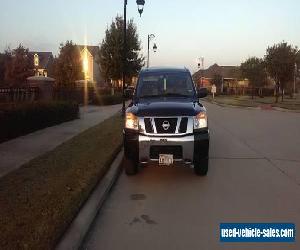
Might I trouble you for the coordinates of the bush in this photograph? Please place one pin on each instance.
(25, 118)
(107, 90)
(103, 100)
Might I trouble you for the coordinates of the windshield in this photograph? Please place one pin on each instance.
(165, 84)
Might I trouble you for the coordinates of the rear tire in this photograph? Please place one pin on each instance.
(201, 166)
(131, 167)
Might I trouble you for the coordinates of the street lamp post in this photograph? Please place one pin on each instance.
(201, 68)
(140, 4)
(150, 37)
(295, 75)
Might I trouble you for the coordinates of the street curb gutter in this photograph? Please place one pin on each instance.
(76, 232)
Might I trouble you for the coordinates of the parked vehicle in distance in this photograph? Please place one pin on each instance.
(166, 123)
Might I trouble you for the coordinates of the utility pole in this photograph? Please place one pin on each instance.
(140, 4)
(202, 62)
(150, 37)
(295, 75)
(124, 57)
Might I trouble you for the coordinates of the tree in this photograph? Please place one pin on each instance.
(217, 80)
(68, 65)
(111, 51)
(17, 65)
(4, 61)
(298, 59)
(280, 62)
(254, 70)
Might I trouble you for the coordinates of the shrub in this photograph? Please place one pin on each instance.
(25, 118)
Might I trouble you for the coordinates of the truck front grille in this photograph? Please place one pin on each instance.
(183, 125)
(176, 151)
(148, 125)
(166, 125)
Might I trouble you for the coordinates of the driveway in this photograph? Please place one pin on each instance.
(254, 176)
(16, 152)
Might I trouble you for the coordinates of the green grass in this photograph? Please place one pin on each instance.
(40, 199)
(246, 101)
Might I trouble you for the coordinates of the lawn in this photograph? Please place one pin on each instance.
(40, 199)
(247, 101)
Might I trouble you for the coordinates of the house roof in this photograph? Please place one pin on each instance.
(45, 58)
(215, 69)
(92, 49)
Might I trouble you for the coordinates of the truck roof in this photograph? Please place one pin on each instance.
(164, 69)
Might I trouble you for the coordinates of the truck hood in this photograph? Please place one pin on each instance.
(166, 107)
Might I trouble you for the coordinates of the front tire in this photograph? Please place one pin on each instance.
(201, 166)
(131, 167)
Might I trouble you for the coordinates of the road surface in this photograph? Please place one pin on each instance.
(254, 176)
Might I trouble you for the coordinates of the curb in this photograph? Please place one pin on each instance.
(79, 227)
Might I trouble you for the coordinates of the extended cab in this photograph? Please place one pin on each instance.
(166, 123)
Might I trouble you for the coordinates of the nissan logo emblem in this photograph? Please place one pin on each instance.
(166, 125)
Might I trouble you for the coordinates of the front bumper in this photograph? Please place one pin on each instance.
(138, 146)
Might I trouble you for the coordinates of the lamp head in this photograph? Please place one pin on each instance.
(140, 4)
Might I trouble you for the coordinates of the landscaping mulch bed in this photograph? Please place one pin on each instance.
(40, 199)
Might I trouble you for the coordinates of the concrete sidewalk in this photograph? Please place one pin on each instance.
(16, 152)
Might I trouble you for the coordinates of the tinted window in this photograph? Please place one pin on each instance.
(165, 84)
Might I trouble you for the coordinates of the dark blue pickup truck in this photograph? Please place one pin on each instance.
(166, 123)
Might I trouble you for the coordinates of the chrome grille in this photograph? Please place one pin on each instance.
(183, 125)
(148, 125)
(168, 125)
(165, 125)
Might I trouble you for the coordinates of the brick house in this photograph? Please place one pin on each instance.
(231, 76)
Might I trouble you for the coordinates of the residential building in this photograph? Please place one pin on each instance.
(89, 56)
(41, 62)
(231, 76)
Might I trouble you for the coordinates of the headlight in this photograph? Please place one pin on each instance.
(200, 120)
(131, 121)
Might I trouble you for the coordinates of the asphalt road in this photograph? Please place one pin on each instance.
(254, 176)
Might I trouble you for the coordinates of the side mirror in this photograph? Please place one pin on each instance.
(202, 92)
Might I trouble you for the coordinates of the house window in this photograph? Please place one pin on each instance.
(36, 60)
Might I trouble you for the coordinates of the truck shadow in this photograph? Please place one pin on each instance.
(178, 172)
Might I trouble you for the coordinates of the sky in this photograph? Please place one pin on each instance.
(223, 32)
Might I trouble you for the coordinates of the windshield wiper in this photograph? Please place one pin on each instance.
(165, 95)
(150, 96)
(176, 95)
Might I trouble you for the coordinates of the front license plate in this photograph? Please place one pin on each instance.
(165, 159)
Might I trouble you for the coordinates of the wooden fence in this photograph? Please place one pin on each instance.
(13, 95)
(247, 91)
